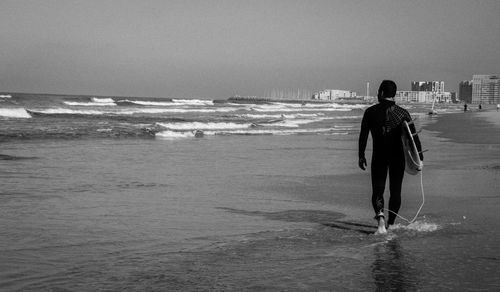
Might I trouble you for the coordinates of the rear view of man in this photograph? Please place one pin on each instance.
(384, 121)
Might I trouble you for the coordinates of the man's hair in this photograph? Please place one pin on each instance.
(387, 89)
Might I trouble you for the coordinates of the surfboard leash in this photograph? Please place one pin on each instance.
(421, 205)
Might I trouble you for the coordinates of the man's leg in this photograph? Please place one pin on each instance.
(379, 176)
(396, 174)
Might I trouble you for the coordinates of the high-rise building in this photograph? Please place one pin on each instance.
(435, 86)
(465, 91)
(486, 89)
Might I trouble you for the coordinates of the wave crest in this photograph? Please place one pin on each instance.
(14, 113)
(203, 126)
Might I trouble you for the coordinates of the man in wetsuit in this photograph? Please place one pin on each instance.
(384, 121)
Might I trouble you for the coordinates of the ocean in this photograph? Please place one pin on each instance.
(162, 194)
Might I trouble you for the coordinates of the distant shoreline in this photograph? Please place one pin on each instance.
(255, 99)
(234, 99)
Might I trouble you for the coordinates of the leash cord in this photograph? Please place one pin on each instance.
(421, 205)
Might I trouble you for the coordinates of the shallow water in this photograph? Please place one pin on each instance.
(231, 212)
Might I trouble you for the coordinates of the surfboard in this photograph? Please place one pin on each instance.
(413, 162)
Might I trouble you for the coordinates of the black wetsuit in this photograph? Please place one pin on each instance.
(383, 121)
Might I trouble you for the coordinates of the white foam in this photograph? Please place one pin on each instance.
(174, 135)
(278, 116)
(297, 109)
(290, 107)
(419, 226)
(130, 111)
(346, 117)
(330, 131)
(193, 101)
(176, 110)
(14, 113)
(76, 103)
(69, 111)
(5, 96)
(295, 123)
(102, 100)
(150, 103)
(203, 126)
(174, 102)
(307, 105)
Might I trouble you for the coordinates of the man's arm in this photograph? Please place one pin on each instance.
(363, 138)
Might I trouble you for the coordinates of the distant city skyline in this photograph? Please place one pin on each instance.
(216, 49)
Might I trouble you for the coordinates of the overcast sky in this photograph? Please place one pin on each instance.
(216, 49)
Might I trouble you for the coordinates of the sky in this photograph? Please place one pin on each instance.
(217, 49)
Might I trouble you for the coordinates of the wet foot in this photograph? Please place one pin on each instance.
(381, 230)
(381, 226)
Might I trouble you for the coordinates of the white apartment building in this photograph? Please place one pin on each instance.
(486, 89)
(333, 94)
(422, 96)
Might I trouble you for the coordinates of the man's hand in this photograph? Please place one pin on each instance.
(362, 163)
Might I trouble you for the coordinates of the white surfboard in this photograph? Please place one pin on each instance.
(413, 162)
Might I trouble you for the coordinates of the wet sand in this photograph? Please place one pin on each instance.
(453, 245)
(480, 127)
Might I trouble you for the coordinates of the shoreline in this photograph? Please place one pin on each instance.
(480, 127)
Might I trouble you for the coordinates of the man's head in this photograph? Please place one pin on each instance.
(387, 89)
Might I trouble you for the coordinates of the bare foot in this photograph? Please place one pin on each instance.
(381, 226)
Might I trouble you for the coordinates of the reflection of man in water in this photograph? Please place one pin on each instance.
(383, 121)
(393, 268)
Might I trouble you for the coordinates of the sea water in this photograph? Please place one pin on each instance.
(107, 193)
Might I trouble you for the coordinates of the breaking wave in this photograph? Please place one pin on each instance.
(279, 116)
(174, 134)
(293, 107)
(173, 102)
(193, 102)
(177, 110)
(67, 111)
(204, 126)
(145, 103)
(296, 109)
(102, 100)
(295, 123)
(292, 123)
(94, 101)
(249, 132)
(14, 113)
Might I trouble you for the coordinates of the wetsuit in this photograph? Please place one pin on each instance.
(383, 121)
